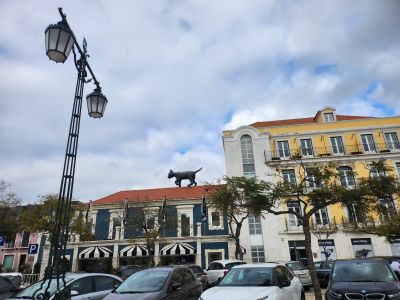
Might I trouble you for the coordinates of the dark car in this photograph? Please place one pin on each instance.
(389, 260)
(167, 283)
(7, 288)
(201, 276)
(323, 269)
(362, 279)
(125, 271)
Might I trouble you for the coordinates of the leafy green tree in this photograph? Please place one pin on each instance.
(9, 207)
(237, 198)
(384, 191)
(40, 217)
(149, 223)
(317, 187)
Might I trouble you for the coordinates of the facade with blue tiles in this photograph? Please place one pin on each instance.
(191, 234)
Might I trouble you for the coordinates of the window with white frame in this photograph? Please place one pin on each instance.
(294, 206)
(321, 216)
(368, 143)
(306, 147)
(289, 176)
(185, 220)
(398, 168)
(355, 213)
(386, 209)
(375, 173)
(254, 224)
(329, 117)
(392, 142)
(337, 145)
(311, 179)
(257, 254)
(246, 145)
(283, 149)
(346, 176)
(215, 219)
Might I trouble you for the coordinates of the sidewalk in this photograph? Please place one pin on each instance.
(310, 294)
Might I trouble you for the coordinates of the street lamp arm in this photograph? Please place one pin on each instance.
(83, 52)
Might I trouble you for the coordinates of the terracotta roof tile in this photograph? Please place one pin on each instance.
(175, 193)
(301, 121)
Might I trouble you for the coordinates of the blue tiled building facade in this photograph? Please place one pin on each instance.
(192, 233)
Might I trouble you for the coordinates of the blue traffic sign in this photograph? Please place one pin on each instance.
(2, 240)
(33, 248)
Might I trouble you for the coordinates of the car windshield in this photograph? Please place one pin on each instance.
(237, 263)
(144, 282)
(296, 266)
(39, 287)
(259, 276)
(129, 271)
(363, 271)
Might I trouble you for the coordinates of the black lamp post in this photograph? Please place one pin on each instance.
(60, 40)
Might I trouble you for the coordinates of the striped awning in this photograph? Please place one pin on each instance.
(178, 249)
(96, 252)
(135, 250)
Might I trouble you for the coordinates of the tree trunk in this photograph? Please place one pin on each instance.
(238, 249)
(310, 259)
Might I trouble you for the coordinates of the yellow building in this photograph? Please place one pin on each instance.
(264, 149)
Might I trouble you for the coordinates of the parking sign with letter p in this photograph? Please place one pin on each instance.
(33, 248)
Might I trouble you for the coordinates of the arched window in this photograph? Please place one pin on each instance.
(246, 145)
(346, 176)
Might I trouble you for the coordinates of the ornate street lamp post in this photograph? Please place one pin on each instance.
(60, 40)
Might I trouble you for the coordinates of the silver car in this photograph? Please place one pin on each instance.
(300, 271)
(94, 286)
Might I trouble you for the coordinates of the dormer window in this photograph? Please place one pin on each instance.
(329, 117)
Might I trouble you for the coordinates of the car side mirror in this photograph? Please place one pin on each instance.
(74, 293)
(284, 283)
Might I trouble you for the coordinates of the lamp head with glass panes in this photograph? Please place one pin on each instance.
(96, 103)
(59, 41)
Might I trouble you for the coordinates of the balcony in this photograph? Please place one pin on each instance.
(328, 151)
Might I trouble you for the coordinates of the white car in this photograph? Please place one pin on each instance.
(218, 268)
(260, 281)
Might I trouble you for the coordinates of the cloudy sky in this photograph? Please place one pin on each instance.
(176, 74)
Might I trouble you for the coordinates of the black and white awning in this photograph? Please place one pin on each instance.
(135, 250)
(178, 249)
(96, 252)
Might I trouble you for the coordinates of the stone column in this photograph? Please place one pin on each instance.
(199, 228)
(74, 267)
(198, 254)
(156, 253)
(93, 217)
(115, 261)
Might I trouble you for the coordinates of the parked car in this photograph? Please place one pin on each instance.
(125, 271)
(201, 276)
(389, 260)
(167, 283)
(300, 271)
(7, 288)
(362, 279)
(94, 286)
(257, 281)
(15, 277)
(323, 269)
(218, 268)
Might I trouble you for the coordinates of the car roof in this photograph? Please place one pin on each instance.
(360, 260)
(258, 265)
(81, 275)
(227, 261)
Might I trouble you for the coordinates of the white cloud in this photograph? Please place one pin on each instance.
(176, 73)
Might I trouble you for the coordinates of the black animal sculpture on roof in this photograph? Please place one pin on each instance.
(179, 176)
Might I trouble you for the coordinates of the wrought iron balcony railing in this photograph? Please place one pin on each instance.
(330, 151)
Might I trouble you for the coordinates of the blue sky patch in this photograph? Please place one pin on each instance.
(328, 68)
